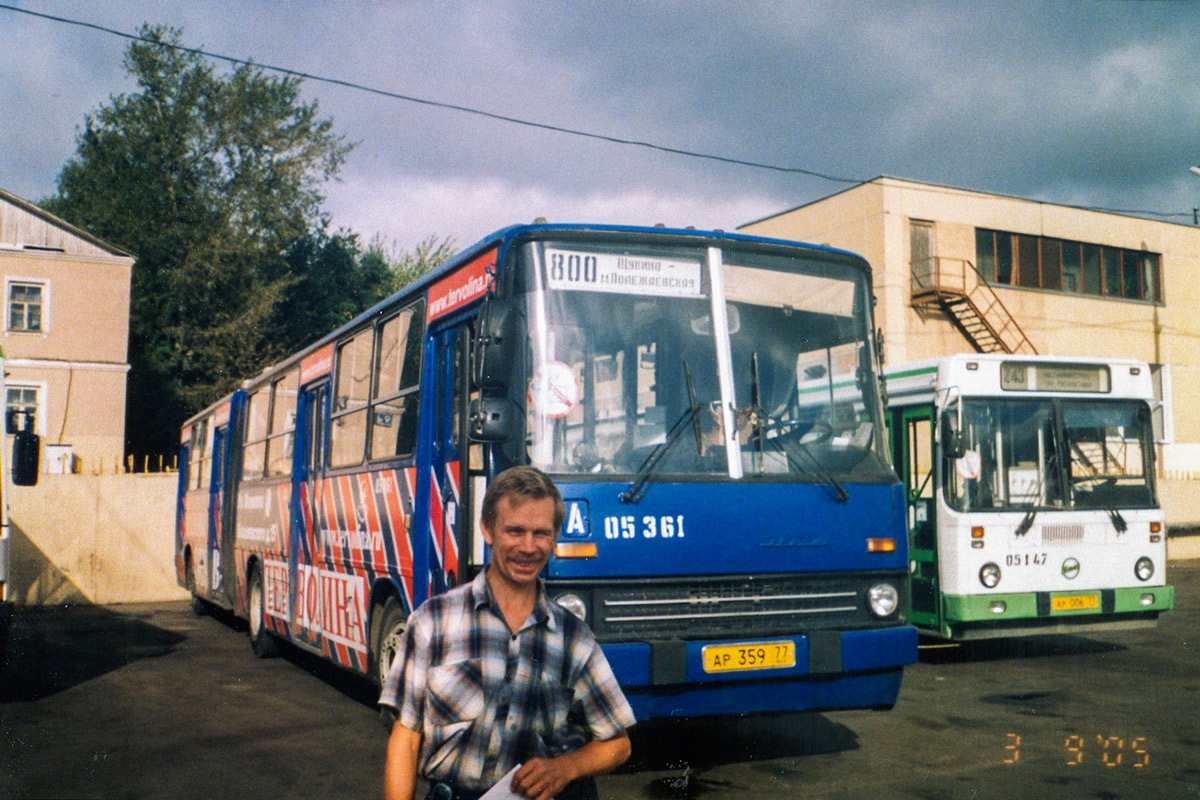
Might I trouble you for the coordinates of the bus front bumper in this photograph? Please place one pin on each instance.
(831, 669)
(999, 615)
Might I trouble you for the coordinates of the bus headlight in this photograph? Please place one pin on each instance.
(1144, 569)
(989, 575)
(573, 603)
(883, 599)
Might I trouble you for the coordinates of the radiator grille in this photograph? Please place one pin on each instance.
(1062, 534)
(703, 608)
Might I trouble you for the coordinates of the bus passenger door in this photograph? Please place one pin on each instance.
(916, 464)
(304, 544)
(216, 514)
(448, 504)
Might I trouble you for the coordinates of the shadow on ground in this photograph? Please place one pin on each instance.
(689, 748)
(1015, 648)
(51, 649)
(354, 686)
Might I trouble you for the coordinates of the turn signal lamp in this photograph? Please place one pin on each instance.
(1155, 532)
(882, 545)
(575, 550)
(977, 536)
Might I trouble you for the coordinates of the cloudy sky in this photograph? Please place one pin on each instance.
(1084, 102)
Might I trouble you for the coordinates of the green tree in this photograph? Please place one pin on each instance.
(333, 280)
(214, 183)
(408, 265)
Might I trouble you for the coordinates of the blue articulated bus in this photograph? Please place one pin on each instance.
(708, 404)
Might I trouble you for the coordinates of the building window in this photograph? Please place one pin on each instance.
(25, 307)
(1061, 265)
(20, 409)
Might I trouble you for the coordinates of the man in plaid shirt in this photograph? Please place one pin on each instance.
(493, 674)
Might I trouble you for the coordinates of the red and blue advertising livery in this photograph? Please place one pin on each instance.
(708, 403)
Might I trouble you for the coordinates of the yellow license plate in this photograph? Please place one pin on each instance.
(754, 655)
(1075, 602)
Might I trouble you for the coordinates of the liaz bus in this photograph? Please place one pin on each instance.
(734, 532)
(1030, 493)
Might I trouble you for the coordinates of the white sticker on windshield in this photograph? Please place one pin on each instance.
(622, 274)
(553, 390)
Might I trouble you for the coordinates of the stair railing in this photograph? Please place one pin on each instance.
(939, 281)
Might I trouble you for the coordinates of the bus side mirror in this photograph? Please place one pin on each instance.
(952, 444)
(495, 346)
(27, 447)
(493, 419)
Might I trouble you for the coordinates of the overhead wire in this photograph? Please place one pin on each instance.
(506, 118)
(310, 76)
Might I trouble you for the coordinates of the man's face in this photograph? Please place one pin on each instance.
(521, 539)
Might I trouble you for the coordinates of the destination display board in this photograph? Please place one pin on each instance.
(1018, 376)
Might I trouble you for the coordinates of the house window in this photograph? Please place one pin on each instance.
(25, 307)
(20, 408)
(1060, 265)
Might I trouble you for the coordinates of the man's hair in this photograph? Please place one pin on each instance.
(517, 484)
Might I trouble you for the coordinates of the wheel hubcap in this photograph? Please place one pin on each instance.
(387, 651)
(255, 609)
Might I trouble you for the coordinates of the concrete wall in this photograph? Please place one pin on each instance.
(94, 538)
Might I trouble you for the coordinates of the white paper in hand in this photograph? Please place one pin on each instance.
(503, 788)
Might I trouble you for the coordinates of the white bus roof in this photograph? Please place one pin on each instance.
(979, 375)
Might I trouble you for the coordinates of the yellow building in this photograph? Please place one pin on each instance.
(66, 336)
(961, 271)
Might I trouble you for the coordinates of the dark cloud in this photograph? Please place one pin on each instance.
(1093, 103)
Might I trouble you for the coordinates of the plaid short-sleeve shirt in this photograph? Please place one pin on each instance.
(486, 699)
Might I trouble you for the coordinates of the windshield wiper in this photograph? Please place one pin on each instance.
(760, 420)
(1118, 521)
(840, 495)
(791, 450)
(650, 466)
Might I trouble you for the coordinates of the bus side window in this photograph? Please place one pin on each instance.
(348, 428)
(397, 384)
(255, 451)
(283, 423)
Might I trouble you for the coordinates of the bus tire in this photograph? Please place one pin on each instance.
(262, 642)
(199, 607)
(389, 633)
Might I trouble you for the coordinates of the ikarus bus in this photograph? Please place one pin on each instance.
(734, 532)
(1030, 492)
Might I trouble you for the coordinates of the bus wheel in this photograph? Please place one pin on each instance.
(261, 641)
(199, 607)
(390, 632)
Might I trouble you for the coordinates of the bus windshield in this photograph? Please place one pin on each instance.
(761, 364)
(1050, 454)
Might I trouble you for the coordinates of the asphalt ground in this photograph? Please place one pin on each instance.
(152, 701)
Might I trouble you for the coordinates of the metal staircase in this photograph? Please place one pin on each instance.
(955, 287)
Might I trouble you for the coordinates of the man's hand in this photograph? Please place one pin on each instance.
(543, 778)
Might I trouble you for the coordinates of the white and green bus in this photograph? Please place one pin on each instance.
(1030, 494)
